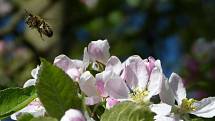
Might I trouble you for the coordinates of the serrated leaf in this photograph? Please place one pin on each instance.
(56, 90)
(128, 111)
(44, 119)
(14, 99)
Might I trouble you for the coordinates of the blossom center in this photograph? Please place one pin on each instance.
(138, 95)
(187, 105)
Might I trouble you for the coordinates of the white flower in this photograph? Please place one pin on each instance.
(143, 77)
(35, 107)
(73, 115)
(174, 90)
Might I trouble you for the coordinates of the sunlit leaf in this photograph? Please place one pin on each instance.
(14, 99)
(128, 111)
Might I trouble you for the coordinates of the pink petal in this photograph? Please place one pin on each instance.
(111, 102)
(99, 51)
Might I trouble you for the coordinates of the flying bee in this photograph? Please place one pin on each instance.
(38, 23)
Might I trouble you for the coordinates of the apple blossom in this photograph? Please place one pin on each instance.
(143, 77)
(174, 90)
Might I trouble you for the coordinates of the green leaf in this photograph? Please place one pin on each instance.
(128, 111)
(25, 117)
(44, 119)
(197, 119)
(14, 99)
(56, 90)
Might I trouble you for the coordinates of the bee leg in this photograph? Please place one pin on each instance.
(41, 35)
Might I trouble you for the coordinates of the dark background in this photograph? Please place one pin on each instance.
(178, 32)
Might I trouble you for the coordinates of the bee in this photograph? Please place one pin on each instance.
(38, 23)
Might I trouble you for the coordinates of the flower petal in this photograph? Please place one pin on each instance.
(73, 115)
(177, 87)
(92, 100)
(62, 61)
(99, 51)
(111, 102)
(35, 71)
(161, 109)
(205, 108)
(35, 108)
(74, 68)
(29, 83)
(86, 58)
(115, 86)
(155, 82)
(114, 64)
(150, 64)
(136, 72)
(87, 84)
(166, 94)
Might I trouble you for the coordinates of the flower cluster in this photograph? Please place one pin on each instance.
(105, 79)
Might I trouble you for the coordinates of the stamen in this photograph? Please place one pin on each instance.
(187, 105)
(138, 95)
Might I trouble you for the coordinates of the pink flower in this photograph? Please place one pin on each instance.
(74, 68)
(97, 51)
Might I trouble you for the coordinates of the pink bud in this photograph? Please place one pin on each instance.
(73, 115)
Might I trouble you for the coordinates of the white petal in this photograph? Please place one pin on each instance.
(87, 84)
(136, 72)
(99, 50)
(35, 71)
(35, 108)
(86, 58)
(101, 79)
(73, 115)
(62, 61)
(177, 87)
(29, 83)
(116, 87)
(158, 65)
(114, 64)
(205, 108)
(155, 82)
(166, 94)
(133, 58)
(161, 109)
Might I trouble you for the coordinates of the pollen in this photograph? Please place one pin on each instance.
(187, 105)
(138, 95)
